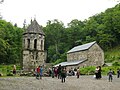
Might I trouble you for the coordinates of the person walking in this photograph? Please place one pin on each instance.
(110, 75)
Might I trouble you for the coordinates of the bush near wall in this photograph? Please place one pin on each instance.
(6, 69)
(91, 70)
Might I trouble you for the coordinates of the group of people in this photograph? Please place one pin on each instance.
(110, 73)
(60, 72)
(98, 72)
(74, 72)
(39, 72)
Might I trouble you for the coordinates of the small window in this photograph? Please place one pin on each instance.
(28, 40)
(35, 44)
(41, 44)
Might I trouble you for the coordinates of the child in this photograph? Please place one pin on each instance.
(110, 74)
(14, 69)
(78, 73)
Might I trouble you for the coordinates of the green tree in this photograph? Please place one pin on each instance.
(10, 42)
(54, 31)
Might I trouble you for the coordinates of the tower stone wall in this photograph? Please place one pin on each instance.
(33, 47)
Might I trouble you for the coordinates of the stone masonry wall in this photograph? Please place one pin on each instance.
(33, 57)
(77, 56)
(94, 56)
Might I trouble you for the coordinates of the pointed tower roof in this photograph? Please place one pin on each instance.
(34, 27)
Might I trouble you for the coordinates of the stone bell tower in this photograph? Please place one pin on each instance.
(33, 47)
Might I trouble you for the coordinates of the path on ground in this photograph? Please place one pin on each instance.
(48, 83)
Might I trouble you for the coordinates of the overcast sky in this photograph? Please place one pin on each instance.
(16, 11)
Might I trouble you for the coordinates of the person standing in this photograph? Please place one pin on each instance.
(52, 72)
(59, 72)
(14, 69)
(99, 72)
(110, 75)
(78, 73)
(55, 71)
(118, 73)
(96, 72)
(38, 72)
(63, 74)
(41, 72)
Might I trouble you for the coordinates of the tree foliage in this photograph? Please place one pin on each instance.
(10, 43)
(103, 28)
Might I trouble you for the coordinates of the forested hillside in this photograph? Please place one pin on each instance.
(103, 28)
(10, 43)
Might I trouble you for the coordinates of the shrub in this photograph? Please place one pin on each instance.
(116, 64)
(9, 74)
(91, 70)
(87, 70)
(58, 61)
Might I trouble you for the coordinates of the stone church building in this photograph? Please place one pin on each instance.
(33, 47)
(89, 54)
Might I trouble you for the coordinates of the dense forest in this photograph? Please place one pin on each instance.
(103, 28)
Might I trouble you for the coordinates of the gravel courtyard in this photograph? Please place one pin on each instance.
(48, 83)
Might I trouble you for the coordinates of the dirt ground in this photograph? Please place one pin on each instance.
(48, 83)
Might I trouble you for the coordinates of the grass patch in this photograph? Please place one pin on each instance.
(91, 70)
(6, 69)
(112, 54)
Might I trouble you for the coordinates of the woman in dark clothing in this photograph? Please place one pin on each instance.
(118, 73)
(63, 74)
(59, 72)
(96, 73)
(99, 72)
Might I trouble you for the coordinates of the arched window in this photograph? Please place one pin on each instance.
(41, 44)
(28, 40)
(35, 44)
